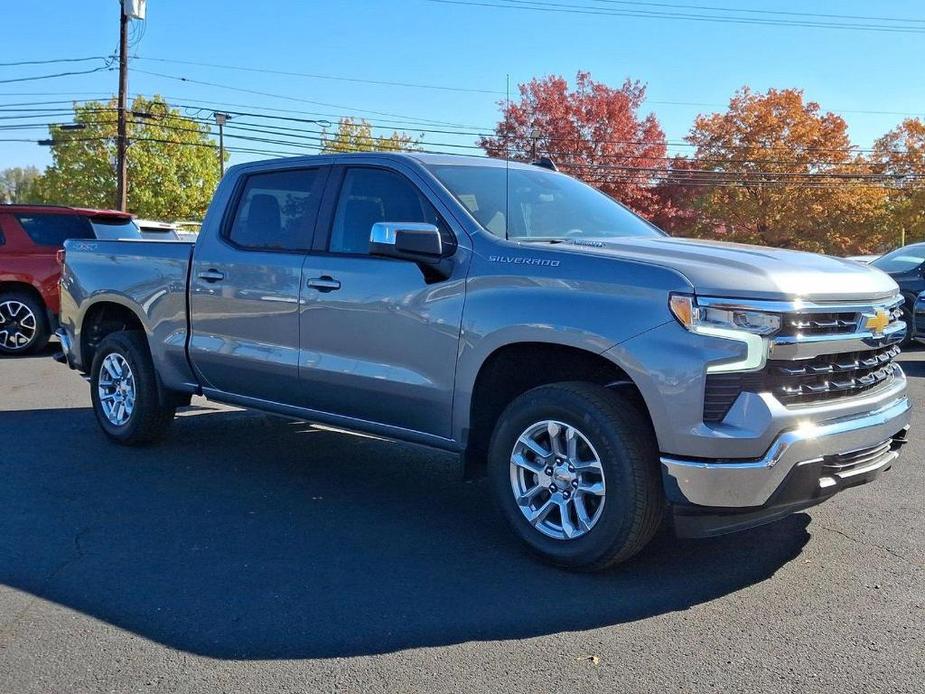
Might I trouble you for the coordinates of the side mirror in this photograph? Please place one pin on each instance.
(414, 241)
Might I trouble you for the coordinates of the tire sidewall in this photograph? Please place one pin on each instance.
(124, 346)
(615, 522)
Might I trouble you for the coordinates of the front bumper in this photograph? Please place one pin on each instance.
(832, 455)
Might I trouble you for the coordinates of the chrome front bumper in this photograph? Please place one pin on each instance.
(751, 483)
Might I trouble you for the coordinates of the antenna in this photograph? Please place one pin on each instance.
(507, 165)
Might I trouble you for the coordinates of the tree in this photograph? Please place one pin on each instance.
(357, 136)
(900, 156)
(593, 132)
(775, 170)
(173, 165)
(17, 184)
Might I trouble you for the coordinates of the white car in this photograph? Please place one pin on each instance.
(157, 231)
(866, 259)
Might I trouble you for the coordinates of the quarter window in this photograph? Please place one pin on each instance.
(276, 210)
(376, 195)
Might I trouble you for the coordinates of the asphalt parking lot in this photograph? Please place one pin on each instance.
(250, 553)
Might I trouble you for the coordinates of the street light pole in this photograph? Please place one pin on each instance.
(220, 120)
(122, 134)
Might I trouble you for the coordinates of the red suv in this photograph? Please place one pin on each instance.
(30, 238)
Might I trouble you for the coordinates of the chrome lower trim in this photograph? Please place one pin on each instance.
(750, 483)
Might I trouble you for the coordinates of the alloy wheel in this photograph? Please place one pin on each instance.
(116, 389)
(557, 480)
(18, 325)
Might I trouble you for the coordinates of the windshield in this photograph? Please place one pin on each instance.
(542, 205)
(902, 259)
(114, 228)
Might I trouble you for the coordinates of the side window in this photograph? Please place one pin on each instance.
(368, 196)
(55, 229)
(277, 210)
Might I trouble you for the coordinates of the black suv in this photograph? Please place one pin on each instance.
(906, 265)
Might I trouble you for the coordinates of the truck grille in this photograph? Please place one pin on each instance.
(835, 323)
(822, 378)
(820, 353)
(820, 324)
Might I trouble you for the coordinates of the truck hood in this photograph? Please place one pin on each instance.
(717, 268)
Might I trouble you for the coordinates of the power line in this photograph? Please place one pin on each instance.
(338, 78)
(56, 60)
(562, 8)
(286, 97)
(57, 74)
(752, 11)
(551, 150)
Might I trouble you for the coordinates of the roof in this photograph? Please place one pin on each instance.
(417, 158)
(59, 209)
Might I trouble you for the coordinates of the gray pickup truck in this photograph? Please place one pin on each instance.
(604, 376)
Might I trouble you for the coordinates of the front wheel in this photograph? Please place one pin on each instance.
(124, 391)
(574, 469)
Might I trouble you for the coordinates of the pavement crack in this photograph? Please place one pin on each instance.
(8, 629)
(882, 548)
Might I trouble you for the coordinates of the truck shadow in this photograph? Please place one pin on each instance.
(245, 536)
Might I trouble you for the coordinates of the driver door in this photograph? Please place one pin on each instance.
(379, 339)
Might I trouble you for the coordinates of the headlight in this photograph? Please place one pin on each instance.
(729, 323)
(695, 318)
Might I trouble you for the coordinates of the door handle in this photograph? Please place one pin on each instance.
(211, 275)
(325, 283)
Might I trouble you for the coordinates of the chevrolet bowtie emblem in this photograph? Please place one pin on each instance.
(877, 322)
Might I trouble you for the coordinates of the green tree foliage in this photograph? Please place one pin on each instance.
(17, 184)
(173, 164)
(357, 136)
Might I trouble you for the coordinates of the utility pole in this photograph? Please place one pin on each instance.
(220, 120)
(122, 135)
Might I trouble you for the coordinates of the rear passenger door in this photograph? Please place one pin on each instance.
(379, 338)
(245, 285)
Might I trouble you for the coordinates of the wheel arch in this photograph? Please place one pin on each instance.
(22, 286)
(102, 318)
(512, 369)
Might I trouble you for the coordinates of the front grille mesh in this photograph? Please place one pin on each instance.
(801, 382)
(834, 323)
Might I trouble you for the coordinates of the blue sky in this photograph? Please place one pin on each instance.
(690, 67)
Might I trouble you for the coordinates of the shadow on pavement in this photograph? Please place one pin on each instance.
(244, 536)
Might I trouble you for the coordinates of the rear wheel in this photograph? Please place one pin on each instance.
(124, 391)
(23, 323)
(574, 469)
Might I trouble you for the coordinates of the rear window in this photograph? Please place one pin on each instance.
(113, 228)
(277, 210)
(54, 229)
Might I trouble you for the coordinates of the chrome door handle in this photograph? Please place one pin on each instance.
(211, 275)
(325, 283)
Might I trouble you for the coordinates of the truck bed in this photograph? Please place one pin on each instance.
(147, 277)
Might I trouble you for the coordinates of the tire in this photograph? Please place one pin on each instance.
(144, 418)
(620, 516)
(22, 317)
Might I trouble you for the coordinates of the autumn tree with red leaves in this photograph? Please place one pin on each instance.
(593, 132)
